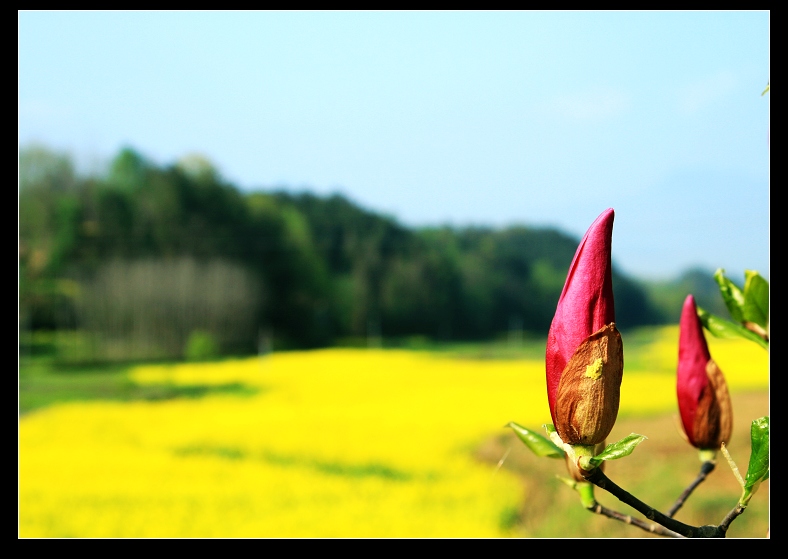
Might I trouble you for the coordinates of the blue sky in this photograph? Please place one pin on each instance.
(484, 118)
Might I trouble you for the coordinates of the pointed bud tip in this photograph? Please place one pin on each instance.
(692, 341)
(602, 227)
(689, 304)
(607, 214)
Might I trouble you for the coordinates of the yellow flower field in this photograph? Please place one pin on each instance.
(333, 443)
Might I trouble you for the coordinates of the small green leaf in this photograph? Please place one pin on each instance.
(722, 328)
(619, 449)
(756, 298)
(586, 491)
(758, 469)
(765, 91)
(538, 444)
(731, 294)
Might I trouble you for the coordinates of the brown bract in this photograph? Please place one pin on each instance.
(588, 393)
(714, 417)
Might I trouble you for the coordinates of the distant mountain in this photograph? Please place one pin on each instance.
(668, 296)
(156, 256)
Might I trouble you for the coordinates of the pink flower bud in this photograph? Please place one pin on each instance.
(584, 358)
(704, 402)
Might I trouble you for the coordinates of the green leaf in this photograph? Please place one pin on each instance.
(538, 444)
(756, 298)
(758, 469)
(731, 294)
(722, 328)
(619, 449)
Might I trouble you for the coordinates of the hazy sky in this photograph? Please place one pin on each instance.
(491, 118)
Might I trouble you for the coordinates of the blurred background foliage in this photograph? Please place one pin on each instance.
(148, 262)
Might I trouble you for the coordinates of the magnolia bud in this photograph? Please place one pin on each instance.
(704, 403)
(584, 358)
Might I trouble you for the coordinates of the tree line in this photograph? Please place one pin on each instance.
(144, 256)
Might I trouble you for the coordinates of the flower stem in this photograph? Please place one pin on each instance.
(598, 478)
(705, 469)
(730, 517)
(647, 526)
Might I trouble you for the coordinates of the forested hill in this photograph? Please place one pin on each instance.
(154, 253)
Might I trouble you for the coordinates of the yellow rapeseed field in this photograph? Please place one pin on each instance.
(328, 443)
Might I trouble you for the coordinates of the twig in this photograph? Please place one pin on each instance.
(705, 469)
(598, 478)
(648, 527)
(730, 517)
